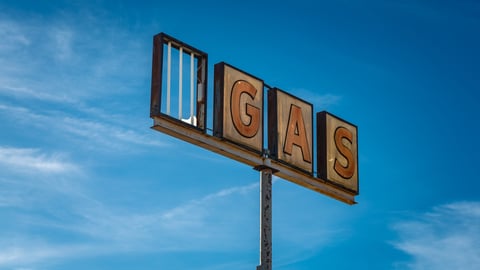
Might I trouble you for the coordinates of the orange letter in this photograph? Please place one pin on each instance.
(297, 134)
(250, 128)
(348, 170)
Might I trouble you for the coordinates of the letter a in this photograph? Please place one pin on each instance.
(297, 134)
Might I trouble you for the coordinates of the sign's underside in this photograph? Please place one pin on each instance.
(183, 131)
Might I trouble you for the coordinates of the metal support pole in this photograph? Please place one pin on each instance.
(265, 219)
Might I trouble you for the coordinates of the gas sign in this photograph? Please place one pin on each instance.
(239, 127)
(238, 118)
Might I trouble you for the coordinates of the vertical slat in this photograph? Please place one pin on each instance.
(169, 73)
(192, 57)
(157, 68)
(202, 92)
(180, 80)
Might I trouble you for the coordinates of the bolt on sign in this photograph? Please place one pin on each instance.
(238, 121)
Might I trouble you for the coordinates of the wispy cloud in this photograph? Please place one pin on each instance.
(448, 237)
(96, 131)
(25, 91)
(62, 56)
(92, 226)
(11, 36)
(183, 214)
(107, 135)
(72, 68)
(26, 159)
(30, 253)
(320, 101)
(62, 39)
(326, 100)
(201, 224)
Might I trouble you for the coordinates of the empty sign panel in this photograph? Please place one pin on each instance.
(179, 81)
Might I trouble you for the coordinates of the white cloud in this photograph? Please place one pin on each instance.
(202, 224)
(326, 100)
(93, 227)
(65, 61)
(99, 131)
(320, 101)
(104, 134)
(448, 237)
(12, 36)
(22, 253)
(62, 38)
(24, 91)
(73, 55)
(194, 213)
(34, 160)
(185, 227)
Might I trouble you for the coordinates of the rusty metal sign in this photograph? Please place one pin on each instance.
(290, 130)
(238, 127)
(179, 108)
(238, 107)
(337, 151)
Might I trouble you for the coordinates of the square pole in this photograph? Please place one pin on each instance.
(265, 218)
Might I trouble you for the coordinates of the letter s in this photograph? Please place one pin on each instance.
(348, 170)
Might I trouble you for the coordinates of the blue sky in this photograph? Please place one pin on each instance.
(86, 184)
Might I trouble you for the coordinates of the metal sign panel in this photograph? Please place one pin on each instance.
(337, 153)
(239, 126)
(290, 130)
(238, 107)
(163, 47)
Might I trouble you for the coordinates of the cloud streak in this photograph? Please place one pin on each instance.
(67, 67)
(61, 57)
(319, 101)
(34, 160)
(201, 224)
(98, 131)
(448, 237)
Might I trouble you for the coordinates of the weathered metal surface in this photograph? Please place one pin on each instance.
(157, 67)
(290, 130)
(337, 151)
(228, 149)
(202, 67)
(238, 107)
(265, 219)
